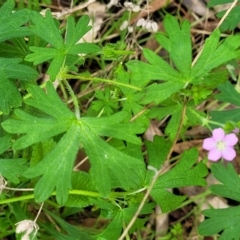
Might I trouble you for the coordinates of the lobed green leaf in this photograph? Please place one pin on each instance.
(183, 174)
(56, 168)
(226, 221)
(13, 22)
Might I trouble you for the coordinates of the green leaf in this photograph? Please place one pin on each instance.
(56, 168)
(108, 163)
(174, 122)
(157, 93)
(225, 116)
(110, 127)
(232, 20)
(155, 157)
(109, 167)
(40, 150)
(46, 54)
(212, 3)
(113, 229)
(5, 143)
(46, 28)
(179, 44)
(74, 34)
(228, 94)
(41, 128)
(161, 69)
(14, 22)
(11, 169)
(158, 69)
(230, 187)
(226, 221)
(105, 103)
(132, 100)
(123, 216)
(59, 49)
(36, 129)
(11, 69)
(183, 174)
(49, 102)
(214, 54)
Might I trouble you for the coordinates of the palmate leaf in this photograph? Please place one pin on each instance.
(59, 48)
(109, 167)
(11, 68)
(175, 78)
(183, 174)
(131, 103)
(13, 21)
(38, 129)
(159, 69)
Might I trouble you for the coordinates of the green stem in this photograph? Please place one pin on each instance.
(74, 98)
(74, 192)
(112, 82)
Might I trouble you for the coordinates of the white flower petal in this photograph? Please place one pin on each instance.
(140, 22)
(154, 27)
(128, 4)
(124, 25)
(130, 29)
(148, 25)
(136, 8)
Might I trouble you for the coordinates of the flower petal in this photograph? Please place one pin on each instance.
(230, 139)
(209, 144)
(214, 155)
(229, 154)
(218, 134)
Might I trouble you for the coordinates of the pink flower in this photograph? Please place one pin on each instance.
(220, 145)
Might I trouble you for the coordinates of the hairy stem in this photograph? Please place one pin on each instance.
(74, 98)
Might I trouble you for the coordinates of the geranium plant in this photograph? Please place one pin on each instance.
(48, 122)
